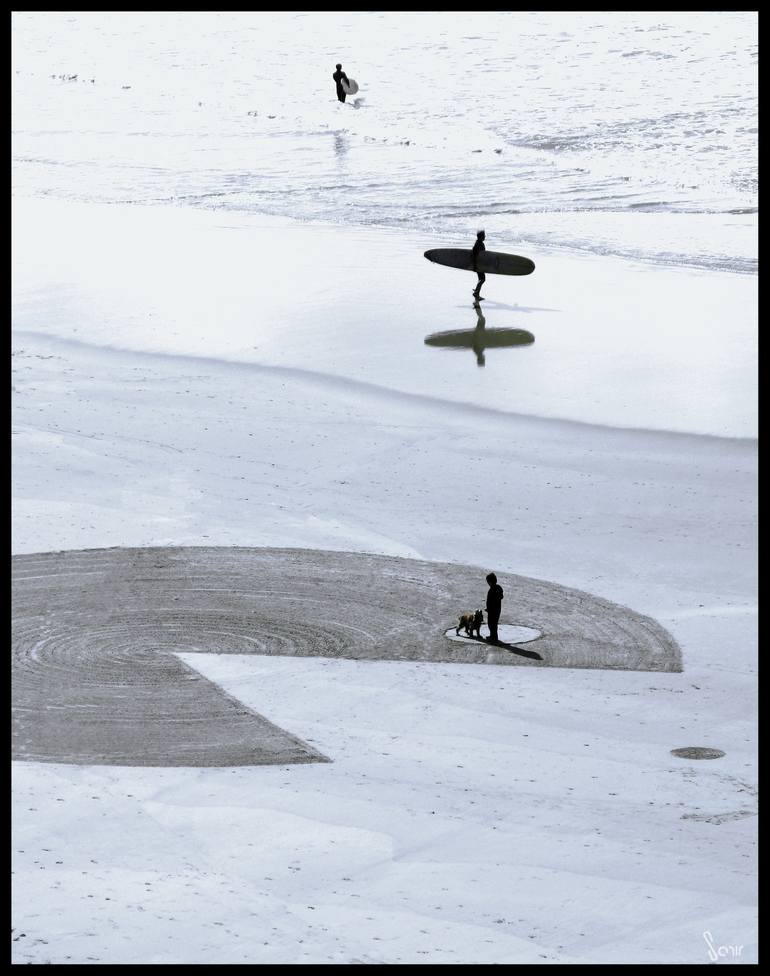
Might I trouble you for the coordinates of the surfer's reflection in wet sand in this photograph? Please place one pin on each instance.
(480, 338)
(340, 146)
(479, 334)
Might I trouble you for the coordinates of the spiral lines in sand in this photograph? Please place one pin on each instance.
(96, 637)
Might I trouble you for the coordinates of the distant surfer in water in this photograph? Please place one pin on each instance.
(477, 248)
(340, 76)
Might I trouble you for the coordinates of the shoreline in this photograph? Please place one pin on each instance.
(616, 344)
(453, 236)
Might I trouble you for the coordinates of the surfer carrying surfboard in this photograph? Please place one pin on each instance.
(477, 248)
(338, 76)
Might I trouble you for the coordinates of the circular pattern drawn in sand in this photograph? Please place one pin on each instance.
(96, 636)
(697, 752)
(507, 633)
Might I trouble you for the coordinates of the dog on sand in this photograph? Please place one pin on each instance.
(470, 622)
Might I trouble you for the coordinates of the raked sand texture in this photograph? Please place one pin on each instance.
(96, 636)
(265, 453)
(471, 813)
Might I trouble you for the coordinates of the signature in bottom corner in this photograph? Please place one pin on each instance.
(721, 952)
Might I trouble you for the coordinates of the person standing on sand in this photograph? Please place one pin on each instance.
(494, 601)
(477, 248)
(340, 76)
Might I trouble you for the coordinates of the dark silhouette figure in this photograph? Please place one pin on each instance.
(475, 251)
(479, 335)
(480, 338)
(338, 76)
(494, 601)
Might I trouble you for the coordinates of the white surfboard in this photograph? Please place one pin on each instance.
(350, 87)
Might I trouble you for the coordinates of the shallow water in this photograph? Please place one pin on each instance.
(613, 133)
(617, 150)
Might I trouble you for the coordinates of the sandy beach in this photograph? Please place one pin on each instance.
(467, 812)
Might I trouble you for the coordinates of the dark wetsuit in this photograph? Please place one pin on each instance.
(494, 602)
(475, 251)
(338, 77)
